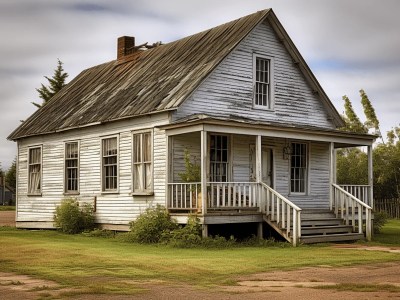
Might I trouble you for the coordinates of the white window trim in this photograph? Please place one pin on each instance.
(307, 179)
(103, 191)
(271, 107)
(41, 170)
(144, 192)
(79, 168)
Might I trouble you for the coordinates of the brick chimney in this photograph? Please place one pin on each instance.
(125, 46)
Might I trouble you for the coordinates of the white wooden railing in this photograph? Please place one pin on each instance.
(233, 195)
(278, 209)
(361, 192)
(184, 196)
(352, 209)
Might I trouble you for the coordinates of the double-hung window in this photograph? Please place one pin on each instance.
(35, 171)
(142, 163)
(263, 82)
(298, 168)
(110, 164)
(219, 158)
(72, 167)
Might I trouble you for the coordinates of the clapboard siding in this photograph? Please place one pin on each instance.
(116, 208)
(229, 89)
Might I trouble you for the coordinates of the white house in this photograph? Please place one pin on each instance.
(243, 103)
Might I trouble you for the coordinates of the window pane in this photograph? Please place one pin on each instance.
(142, 162)
(298, 168)
(110, 164)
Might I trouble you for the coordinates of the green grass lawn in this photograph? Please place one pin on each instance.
(390, 233)
(99, 265)
(6, 207)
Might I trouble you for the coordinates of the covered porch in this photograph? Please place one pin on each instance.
(255, 173)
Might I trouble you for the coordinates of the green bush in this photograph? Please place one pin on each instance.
(380, 219)
(187, 236)
(150, 226)
(72, 219)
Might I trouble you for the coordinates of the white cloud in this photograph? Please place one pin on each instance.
(349, 44)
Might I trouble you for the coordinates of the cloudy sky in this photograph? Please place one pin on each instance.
(349, 45)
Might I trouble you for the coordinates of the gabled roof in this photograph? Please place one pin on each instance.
(152, 81)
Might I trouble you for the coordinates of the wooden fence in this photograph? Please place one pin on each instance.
(390, 206)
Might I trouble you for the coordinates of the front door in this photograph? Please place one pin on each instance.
(267, 174)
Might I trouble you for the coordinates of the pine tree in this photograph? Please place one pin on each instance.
(11, 174)
(353, 123)
(56, 83)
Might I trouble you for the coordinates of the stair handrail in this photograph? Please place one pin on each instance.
(274, 209)
(344, 210)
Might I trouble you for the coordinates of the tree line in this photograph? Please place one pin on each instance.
(352, 163)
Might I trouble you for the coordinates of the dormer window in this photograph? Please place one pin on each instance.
(263, 82)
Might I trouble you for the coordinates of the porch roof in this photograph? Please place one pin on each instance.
(240, 125)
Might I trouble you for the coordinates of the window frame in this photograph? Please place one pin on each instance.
(37, 192)
(103, 189)
(306, 168)
(228, 160)
(66, 191)
(144, 191)
(271, 85)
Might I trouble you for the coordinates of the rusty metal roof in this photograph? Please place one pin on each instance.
(150, 81)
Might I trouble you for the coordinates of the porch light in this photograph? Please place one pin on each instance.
(287, 151)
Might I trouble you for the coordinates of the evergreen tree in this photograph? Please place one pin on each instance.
(56, 83)
(11, 175)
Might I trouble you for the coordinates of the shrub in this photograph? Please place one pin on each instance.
(72, 219)
(150, 226)
(380, 219)
(188, 236)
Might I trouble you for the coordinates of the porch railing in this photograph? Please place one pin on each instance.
(352, 209)
(359, 191)
(232, 195)
(285, 213)
(184, 196)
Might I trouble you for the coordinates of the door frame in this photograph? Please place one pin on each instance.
(252, 150)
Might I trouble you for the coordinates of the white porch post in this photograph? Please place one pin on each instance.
(370, 178)
(204, 177)
(332, 173)
(168, 170)
(258, 180)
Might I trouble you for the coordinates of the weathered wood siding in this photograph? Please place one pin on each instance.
(229, 89)
(116, 208)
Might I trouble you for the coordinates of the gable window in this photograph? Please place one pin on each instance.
(219, 164)
(298, 168)
(35, 171)
(110, 164)
(142, 163)
(71, 167)
(262, 76)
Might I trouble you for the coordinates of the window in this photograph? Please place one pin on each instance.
(298, 168)
(71, 167)
(219, 158)
(110, 164)
(142, 163)
(35, 171)
(263, 93)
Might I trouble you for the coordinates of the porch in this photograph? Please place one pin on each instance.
(255, 174)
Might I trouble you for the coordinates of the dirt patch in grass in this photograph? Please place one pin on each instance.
(374, 281)
(7, 218)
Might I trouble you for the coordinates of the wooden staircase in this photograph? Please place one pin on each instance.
(321, 226)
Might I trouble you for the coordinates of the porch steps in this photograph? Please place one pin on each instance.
(322, 226)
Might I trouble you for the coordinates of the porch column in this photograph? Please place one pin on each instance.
(168, 170)
(204, 155)
(370, 178)
(332, 173)
(258, 159)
